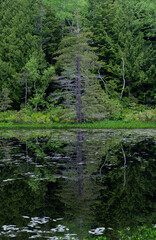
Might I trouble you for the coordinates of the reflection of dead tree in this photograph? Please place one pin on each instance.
(28, 159)
(79, 141)
(103, 163)
(125, 161)
(79, 161)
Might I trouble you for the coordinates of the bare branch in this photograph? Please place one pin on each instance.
(102, 81)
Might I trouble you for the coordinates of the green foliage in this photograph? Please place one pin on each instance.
(5, 100)
(32, 31)
(37, 77)
(5, 123)
(102, 108)
(26, 36)
(65, 10)
(113, 109)
(142, 233)
(77, 60)
(24, 116)
(17, 41)
(141, 116)
(118, 34)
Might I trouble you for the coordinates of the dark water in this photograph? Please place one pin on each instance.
(77, 184)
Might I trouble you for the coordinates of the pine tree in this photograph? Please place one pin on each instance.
(5, 99)
(123, 47)
(27, 28)
(17, 42)
(78, 61)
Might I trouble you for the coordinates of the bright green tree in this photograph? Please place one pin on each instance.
(36, 77)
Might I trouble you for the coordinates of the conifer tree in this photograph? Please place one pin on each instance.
(128, 57)
(26, 27)
(5, 100)
(17, 41)
(78, 61)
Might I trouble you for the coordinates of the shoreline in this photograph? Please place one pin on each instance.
(96, 125)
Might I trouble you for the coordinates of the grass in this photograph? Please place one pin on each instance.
(107, 124)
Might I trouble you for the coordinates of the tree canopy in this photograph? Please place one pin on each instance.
(42, 41)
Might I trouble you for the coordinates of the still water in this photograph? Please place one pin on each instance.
(76, 183)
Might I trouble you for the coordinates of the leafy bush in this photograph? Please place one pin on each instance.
(111, 111)
(107, 109)
(114, 109)
(24, 116)
(145, 116)
(9, 116)
(141, 234)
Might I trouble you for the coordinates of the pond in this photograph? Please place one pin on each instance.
(76, 183)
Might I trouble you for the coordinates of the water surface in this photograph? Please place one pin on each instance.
(79, 184)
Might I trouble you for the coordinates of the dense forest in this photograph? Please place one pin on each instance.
(78, 61)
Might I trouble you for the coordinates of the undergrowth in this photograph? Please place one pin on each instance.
(59, 117)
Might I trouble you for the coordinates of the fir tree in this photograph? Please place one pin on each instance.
(5, 99)
(78, 61)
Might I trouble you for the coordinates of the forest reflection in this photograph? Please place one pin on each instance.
(76, 183)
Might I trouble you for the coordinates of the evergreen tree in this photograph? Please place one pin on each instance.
(136, 52)
(50, 34)
(78, 62)
(25, 30)
(5, 99)
(129, 60)
(65, 10)
(17, 42)
(124, 37)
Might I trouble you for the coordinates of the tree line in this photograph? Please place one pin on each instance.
(85, 56)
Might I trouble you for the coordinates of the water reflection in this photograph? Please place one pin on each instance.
(75, 183)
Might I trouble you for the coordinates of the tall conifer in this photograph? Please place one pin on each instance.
(78, 61)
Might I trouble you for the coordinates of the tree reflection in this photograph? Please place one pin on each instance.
(90, 179)
(133, 204)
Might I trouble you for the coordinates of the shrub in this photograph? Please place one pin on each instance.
(145, 116)
(142, 233)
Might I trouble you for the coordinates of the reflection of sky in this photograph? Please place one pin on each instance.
(34, 229)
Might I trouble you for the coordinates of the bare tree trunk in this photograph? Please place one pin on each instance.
(78, 93)
(78, 85)
(124, 81)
